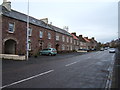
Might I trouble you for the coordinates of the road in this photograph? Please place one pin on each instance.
(89, 70)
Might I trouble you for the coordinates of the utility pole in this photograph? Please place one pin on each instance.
(27, 44)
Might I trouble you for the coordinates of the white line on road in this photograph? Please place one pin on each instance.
(70, 64)
(110, 75)
(27, 78)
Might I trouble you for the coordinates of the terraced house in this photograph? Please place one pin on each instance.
(41, 34)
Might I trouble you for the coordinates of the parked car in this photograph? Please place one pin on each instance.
(112, 50)
(106, 48)
(48, 51)
(101, 49)
(81, 50)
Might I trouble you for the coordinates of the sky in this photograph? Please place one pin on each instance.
(90, 18)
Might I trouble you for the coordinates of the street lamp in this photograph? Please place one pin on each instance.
(27, 44)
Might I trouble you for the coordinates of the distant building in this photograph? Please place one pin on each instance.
(83, 44)
(76, 42)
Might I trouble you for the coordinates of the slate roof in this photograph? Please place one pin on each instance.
(74, 36)
(60, 30)
(23, 17)
(87, 40)
(81, 39)
(93, 41)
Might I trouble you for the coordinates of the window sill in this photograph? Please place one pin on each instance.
(10, 32)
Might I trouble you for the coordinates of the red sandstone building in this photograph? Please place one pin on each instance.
(41, 34)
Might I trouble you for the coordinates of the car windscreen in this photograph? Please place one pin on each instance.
(46, 49)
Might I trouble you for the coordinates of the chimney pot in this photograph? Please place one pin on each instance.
(74, 33)
(45, 20)
(80, 35)
(93, 38)
(7, 5)
(4, 0)
(86, 37)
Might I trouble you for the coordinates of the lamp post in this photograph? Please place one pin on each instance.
(27, 44)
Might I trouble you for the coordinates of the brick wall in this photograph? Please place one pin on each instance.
(20, 36)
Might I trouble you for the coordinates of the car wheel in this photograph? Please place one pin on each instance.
(50, 54)
(40, 53)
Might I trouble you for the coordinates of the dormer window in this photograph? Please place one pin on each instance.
(11, 28)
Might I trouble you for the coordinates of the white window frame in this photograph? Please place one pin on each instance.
(63, 47)
(29, 44)
(77, 42)
(71, 40)
(11, 26)
(30, 32)
(41, 34)
(63, 38)
(74, 42)
(67, 39)
(49, 35)
(57, 37)
(71, 47)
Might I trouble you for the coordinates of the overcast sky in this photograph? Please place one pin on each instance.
(90, 18)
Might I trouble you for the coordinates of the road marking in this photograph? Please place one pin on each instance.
(27, 78)
(70, 64)
(88, 57)
(110, 75)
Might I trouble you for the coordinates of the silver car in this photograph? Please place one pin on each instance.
(112, 50)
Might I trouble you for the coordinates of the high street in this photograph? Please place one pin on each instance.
(73, 70)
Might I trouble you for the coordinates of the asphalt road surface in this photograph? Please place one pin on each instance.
(73, 70)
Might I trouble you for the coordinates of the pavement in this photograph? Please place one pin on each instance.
(116, 73)
(72, 70)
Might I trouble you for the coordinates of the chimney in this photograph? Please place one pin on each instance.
(7, 5)
(45, 20)
(74, 33)
(80, 35)
(66, 28)
(86, 37)
(93, 38)
(50, 23)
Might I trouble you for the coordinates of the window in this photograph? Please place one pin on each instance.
(63, 47)
(70, 47)
(63, 38)
(30, 32)
(49, 35)
(41, 34)
(29, 44)
(11, 27)
(74, 42)
(77, 42)
(57, 37)
(71, 40)
(67, 39)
